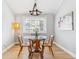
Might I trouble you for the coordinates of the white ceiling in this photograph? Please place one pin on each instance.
(23, 6)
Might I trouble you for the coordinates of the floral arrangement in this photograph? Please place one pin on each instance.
(36, 32)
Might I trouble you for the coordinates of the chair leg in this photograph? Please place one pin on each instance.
(20, 50)
(50, 48)
(41, 55)
(30, 55)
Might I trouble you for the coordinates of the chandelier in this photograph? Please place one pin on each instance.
(35, 11)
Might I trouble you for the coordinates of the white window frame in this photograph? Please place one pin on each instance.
(43, 19)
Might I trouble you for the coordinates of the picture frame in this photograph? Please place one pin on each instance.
(66, 22)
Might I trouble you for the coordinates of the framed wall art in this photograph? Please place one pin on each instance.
(66, 22)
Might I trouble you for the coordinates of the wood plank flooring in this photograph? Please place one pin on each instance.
(13, 54)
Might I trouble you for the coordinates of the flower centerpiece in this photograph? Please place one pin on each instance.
(36, 33)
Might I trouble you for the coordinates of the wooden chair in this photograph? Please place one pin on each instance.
(49, 43)
(21, 44)
(35, 47)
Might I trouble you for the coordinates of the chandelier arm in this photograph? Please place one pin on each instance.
(35, 11)
(34, 6)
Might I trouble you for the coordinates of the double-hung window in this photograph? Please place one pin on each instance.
(31, 24)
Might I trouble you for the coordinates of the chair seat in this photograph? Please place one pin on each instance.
(46, 41)
(25, 44)
(34, 50)
(47, 44)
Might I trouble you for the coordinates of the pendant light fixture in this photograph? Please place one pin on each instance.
(35, 11)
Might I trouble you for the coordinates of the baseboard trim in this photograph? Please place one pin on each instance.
(16, 43)
(67, 51)
(6, 49)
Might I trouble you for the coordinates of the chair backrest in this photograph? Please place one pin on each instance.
(51, 39)
(36, 44)
(20, 39)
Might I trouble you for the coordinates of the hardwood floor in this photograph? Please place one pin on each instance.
(13, 54)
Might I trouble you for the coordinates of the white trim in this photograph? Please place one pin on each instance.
(16, 42)
(58, 9)
(6, 49)
(10, 46)
(9, 7)
(66, 50)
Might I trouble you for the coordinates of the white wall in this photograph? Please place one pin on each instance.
(7, 36)
(50, 24)
(50, 21)
(67, 39)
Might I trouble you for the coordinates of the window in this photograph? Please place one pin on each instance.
(30, 24)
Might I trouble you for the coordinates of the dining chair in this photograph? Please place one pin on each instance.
(49, 43)
(21, 44)
(35, 47)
